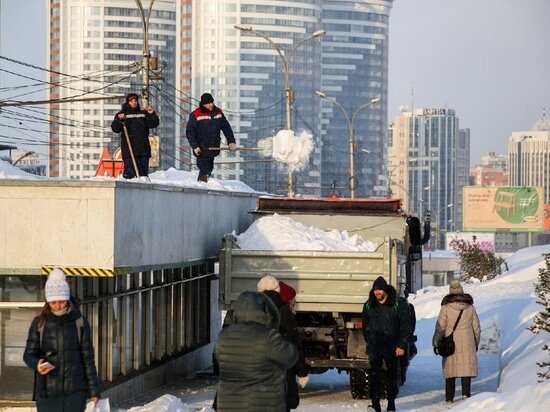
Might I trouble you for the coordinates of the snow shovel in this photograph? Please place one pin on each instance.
(238, 148)
(265, 147)
(130, 149)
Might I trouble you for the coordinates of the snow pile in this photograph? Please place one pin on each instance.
(170, 177)
(166, 403)
(7, 171)
(283, 233)
(292, 150)
(506, 307)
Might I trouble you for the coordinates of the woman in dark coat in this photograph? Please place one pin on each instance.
(60, 350)
(253, 358)
(463, 362)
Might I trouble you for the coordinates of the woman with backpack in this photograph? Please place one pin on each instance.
(60, 351)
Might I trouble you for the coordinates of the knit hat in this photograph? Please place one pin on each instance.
(206, 98)
(131, 96)
(57, 287)
(268, 282)
(287, 292)
(380, 284)
(455, 288)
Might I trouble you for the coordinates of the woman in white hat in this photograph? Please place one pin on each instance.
(60, 351)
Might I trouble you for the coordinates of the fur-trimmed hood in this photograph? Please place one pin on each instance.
(458, 298)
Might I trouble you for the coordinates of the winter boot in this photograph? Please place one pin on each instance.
(391, 405)
(203, 178)
(375, 407)
(466, 385)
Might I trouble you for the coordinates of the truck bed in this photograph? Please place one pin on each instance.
(324, 281)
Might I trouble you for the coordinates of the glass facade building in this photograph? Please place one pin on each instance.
(246, 74)
(434, 165)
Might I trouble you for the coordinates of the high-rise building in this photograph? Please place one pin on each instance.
(245, 71)
(428, 157)
(491, 172)
(529, 157)
(354, 71)
(96, 50)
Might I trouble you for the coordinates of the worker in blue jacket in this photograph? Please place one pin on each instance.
(203, 130)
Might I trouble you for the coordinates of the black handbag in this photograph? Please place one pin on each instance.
(447, 344)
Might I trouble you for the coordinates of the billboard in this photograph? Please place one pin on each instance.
(503, 209)
(488, 238)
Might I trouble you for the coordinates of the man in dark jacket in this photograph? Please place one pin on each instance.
(253, 358)
(203, 132)
(137, 123)
(386, 331)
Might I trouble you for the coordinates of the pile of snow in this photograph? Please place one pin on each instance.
(283, 233)
(506, 307)
(292, 150)
(170, 177)
(7, 171)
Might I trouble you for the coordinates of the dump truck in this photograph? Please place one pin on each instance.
(332, 286)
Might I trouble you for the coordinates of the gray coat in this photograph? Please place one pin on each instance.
(253, 358)
(463, 362)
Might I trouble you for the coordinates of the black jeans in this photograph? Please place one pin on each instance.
(450, 387)
(392, 365)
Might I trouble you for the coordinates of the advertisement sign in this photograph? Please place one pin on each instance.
(503, 209)
(470, 237)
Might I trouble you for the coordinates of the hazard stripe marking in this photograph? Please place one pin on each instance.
(86, 271)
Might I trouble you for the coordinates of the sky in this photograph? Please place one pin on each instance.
(506, 306)
(486, 59)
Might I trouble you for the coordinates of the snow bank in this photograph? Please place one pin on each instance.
(7, 171)
(283, 233)
(506, 307)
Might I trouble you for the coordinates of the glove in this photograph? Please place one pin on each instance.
(232, 147)
(197, 151)
(435, 351)
(303, 381)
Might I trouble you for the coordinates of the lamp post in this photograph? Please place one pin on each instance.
(289, 93)
(145, 61)
(351, 138)
(439, 222)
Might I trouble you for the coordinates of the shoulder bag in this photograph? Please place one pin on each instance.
(447, 344)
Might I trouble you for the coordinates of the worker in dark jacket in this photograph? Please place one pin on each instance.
(386, 331)
(203, 130)
(138, 123)
(253, 358)
(61, 355)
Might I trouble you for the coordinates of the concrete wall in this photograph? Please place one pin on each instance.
(113, 224)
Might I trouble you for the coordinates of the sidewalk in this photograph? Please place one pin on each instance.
(196, 393)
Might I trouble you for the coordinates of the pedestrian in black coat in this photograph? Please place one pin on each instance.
(253, 358)
(203, 130)
(138, 123)
(386, 329)
(287, 294)
(59, 349)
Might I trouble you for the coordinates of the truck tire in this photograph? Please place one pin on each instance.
(359, 384)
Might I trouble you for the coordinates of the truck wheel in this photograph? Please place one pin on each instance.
(359, 384)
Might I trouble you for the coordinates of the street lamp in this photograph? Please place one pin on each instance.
(146, 52)
(289, 93)
(352, 180)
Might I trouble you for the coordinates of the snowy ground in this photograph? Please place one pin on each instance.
(507, 380)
